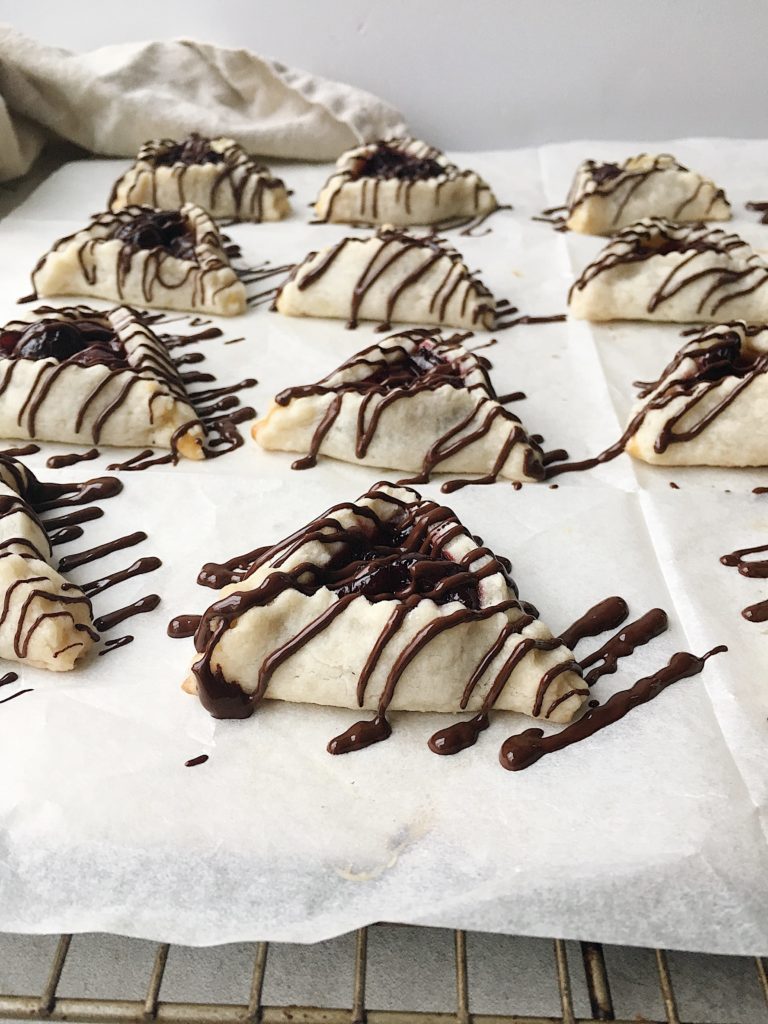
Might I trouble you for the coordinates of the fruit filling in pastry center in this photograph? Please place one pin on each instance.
(386, 162)
(728, 359)
(422, 368)
(194, 150)
(84, 342)
(385, 566)
(602, 173)
(158, 229)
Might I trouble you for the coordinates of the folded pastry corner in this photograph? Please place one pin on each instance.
(710, 405)
(401, 181)
(75, 374)
(414, 402)
(46, 621)
(168, 259)
(657, 270)
(605, 196)
(389, 276)
(386, 603)
(214, 174)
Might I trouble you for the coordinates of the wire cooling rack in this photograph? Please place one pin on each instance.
(50, 1005)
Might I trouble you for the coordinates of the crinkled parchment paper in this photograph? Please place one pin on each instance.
(652, 832)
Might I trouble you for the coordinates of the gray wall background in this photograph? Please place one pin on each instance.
(485, 73)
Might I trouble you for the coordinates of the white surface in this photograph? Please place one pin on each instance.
(489, 73)
(658, 817)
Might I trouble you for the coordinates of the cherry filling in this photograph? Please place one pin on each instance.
(158, 229)
(726, 359)
(423, 367)
(660, 245)
(387, 162)
(194, 150)
(83, 342)
(387, 564)
(605, 172)
(403, 574)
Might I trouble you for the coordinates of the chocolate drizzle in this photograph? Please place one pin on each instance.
(137, 568)
(194, 761)
(112, 619)
(13, 696)
(526, 748)
(183, 626)
(753, 569)
(360, 735)
(632, 636)
(761, 208)
(605, 615)
(115, 644)
(407, 365)
(63, 461)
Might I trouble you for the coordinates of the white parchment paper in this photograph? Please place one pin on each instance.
(652, 832)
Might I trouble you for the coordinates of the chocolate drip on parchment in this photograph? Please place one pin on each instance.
(13, 696)
(526, 748)
(606, 614)
(71, 458)
(753, 569)
(759, 207)
(112, 619)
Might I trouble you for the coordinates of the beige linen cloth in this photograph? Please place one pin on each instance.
(113, 99)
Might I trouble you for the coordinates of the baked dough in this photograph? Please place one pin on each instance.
(146, 257)
(385, 603)
(401, 181)
(215, 174)
(605, 197)
(45, 621)
(391, 277)
(93, 378)
(656, 270)
(710, 405)
(414, 402)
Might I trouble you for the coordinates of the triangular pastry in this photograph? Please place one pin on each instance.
(710, 405)
(45, 621)
(389, 276)
(386, 603)
(656, 270)
(75, 374)
(146, 257)
(401, 181)
(605, 197)
(415, 402)
(215, 174)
